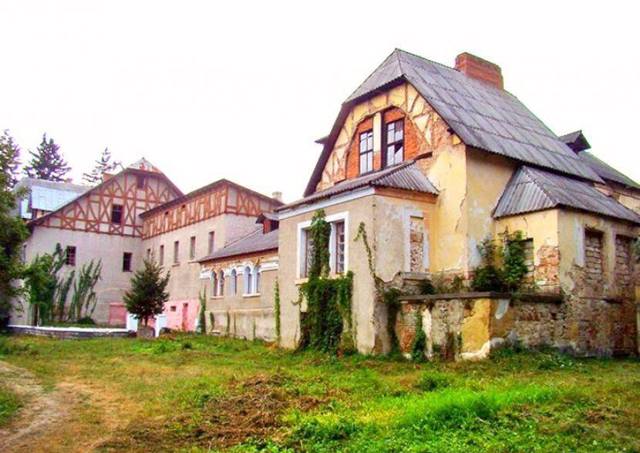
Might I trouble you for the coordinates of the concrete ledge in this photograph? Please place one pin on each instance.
(527, 297)
(69, 332)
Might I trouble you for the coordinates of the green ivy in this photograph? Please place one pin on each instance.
(503, 264)
(327, 325)
(419, 341)
(276, 310)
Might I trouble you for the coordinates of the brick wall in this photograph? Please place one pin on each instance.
(593, 257)
(623, 265)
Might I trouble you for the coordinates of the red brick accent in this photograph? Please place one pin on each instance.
(411, 141)
(480, 69)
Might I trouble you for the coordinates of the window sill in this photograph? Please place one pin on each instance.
(175, 265)
(301, 281)
(250, 296)
(217, 297)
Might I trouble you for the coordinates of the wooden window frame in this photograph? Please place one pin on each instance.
(397, 144)
(70, 255)
(192, 248)
(368, 152)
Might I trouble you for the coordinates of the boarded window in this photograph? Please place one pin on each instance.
(593, 256)
(623, 260)
(126, 262)
(70, 256)
(416, 244)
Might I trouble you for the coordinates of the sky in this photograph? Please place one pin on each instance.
(241, 90)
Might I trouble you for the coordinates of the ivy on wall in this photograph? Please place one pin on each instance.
(327, 325)
(276, 310)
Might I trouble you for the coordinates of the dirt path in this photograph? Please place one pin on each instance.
(41, 410)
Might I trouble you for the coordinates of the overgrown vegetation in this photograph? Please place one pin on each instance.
(419, 341)
(276, 310)
(203, 393)
(47, 289)
(327, 324)
(503, 264)
(9, 404)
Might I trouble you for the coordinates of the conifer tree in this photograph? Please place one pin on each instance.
(9, 159)
(47, 162)
(12, 229)
(148, 294)
(103, 165)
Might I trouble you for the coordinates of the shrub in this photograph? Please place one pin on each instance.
(430, 382)
(87, 321)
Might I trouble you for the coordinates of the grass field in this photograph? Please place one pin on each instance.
(207, 394)
(9, 404)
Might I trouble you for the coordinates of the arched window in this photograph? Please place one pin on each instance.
(234, 282)
(256, 286)
(248, 280)
(221, 283)
(214, 284)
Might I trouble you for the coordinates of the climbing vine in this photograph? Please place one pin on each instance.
(419, 341)
(388, 296)
(327, 325)
(276, 310)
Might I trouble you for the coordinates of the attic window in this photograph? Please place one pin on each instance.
(366, 152)
(140, 180)
(116, 214)
(395, 143)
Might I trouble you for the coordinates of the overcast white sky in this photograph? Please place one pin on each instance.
(241, 90)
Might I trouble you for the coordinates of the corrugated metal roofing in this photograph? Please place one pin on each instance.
(532, 189)
(405, 176)
(482, 116)
(606, 171)
(47, 195)
(251, 243)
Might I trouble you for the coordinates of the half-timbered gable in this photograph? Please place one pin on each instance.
(220, 197)
(114, 206)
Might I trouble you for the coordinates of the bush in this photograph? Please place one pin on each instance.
(87, 321)
(433, 381)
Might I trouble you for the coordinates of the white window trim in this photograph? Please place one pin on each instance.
(408, 214)
(302, 226)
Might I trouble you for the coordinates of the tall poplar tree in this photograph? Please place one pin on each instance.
(47, 162)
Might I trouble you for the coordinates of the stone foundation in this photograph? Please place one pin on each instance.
(469, 325)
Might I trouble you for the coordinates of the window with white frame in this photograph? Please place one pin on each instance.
(248, 280)
(338, 247)
(256, 286)
(221, 283)
(366, 152)
(234, 283)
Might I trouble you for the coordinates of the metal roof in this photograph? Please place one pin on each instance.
(606, 171)
(531, 189)
(576, 141)
(483, 116)
(405, 176)
(47, 195)
(257, 241)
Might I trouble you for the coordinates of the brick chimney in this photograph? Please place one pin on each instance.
(480, 69)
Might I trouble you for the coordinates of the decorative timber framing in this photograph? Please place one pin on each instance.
(92, 211)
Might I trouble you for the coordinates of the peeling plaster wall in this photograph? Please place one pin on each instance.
(366, 324)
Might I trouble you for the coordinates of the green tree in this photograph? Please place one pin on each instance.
(47, 162)
(9, 159)
(13, 232)
(41, 284)
(148, 294)
(104, 164)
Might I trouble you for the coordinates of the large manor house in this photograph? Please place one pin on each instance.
(429, 160)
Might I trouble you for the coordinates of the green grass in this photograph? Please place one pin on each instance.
(9, 404)
(195, 393)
